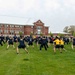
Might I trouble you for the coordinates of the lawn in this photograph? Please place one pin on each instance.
(37, 62)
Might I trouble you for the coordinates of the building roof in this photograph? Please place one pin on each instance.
(18, 21)
(60, 33)
(15, 20)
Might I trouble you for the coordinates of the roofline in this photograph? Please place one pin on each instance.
(16, 24)
(11, 24)
(28, 25)
(20, 24)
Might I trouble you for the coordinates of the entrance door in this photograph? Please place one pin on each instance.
(38, 31)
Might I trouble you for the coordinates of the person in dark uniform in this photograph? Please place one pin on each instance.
(39, 40)
(43, 43)
(15, 38)
(2, 38)
(51, 39)
(7, 38)
(47, 42)
(21, 45)
(30, 41)
(10, 42)
(73, 42)
(1, 43)
(66, 39)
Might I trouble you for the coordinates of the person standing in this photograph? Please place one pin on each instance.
(10, 42)
(30, 41)
(56, 44)
(1, 43)
(15, 38)
(73, 42)
(43, 43)
(21, 45)
(61, 44)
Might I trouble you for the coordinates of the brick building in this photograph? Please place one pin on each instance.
(36, 29)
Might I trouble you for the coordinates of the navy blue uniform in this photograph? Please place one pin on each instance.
(43, 43)
(30, 41)
(66, 40)
(51, 40)
(21, 44)
(47, 42)
(2, 38)
(7, 38)
(10, 41)
(73, 41)
(26, 39)
(1, 42)
(39, 40)
(15, 38)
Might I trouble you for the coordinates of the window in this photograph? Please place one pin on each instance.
(31, 26)
(12, 31)
(5, 31)
(21, 26)
(7, 25)
(16, 26)
(39, 31)
(11, 25)
(0, 26)
(39, 27)
(16, 31)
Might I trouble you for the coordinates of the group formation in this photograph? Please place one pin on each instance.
(42, 41)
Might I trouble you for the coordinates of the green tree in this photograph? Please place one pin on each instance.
(65, 29)
(20, 33)
(71, 29)
(74, 34)
(60, 35)
(50, 34)
(31, 33)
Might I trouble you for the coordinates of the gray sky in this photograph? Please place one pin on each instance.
(54, 13)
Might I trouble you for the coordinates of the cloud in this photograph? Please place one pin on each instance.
(26, 5)
(69, 5)
(7, 4)
(16, 5)
(51, 5)
(23, 6)
(56, 13)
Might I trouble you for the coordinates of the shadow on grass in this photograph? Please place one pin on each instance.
(25, 59)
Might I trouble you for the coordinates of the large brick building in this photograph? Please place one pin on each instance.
(36, 29)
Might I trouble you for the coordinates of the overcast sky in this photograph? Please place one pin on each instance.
(54, 13)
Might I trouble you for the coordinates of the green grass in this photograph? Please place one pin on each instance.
(37, 62)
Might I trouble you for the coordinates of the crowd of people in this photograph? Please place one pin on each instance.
(42, 41)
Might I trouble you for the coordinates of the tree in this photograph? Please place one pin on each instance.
(66, 29)
(74, 34)
(60, 35)
(31, 33)
(50, 34)
(71, 29)
(20, 33)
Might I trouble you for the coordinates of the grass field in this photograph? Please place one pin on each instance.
(37, 62)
